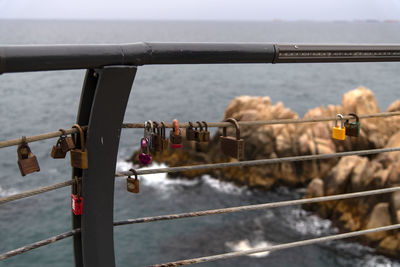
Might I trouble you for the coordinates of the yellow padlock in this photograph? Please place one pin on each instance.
(339, 133)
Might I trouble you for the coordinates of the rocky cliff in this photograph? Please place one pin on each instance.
(321, 177)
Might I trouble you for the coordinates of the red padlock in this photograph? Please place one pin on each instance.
(76, 204)
(76, 199)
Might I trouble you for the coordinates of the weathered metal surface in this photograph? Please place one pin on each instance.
(104, 127)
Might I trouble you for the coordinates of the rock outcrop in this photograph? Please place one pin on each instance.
(323, 177)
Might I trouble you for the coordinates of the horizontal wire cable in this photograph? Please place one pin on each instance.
(257, 162)
(39, 137)
(257, 206)
(203, 167)
(36, 191)
(270, 122)
(49, 135)
(279, 247)
(38, 244)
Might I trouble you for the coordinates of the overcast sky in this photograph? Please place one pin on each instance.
(201, 9)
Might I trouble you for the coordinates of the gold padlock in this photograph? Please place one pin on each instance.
(79, 157)
(27, 162)
(339, 133)
(132, 185)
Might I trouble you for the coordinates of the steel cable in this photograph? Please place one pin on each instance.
(257, 206)
(49, 135)
(257, 162)
(279, 247)
(36, 191)
(38, 244)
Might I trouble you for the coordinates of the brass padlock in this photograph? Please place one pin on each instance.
(190, 133)
(67, 143)
(199, 134)
(353, 128)
(231, 146)
(157, 137)
(206, 133)
(164, 139)
(339, 133)
(132, 185)
(175, 135)
(27, 162)
(79, 157)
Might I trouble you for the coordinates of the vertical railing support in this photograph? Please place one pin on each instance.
(103, 102)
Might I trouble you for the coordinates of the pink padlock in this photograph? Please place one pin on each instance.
(145, 158)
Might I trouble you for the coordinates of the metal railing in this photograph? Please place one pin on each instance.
(102, 110)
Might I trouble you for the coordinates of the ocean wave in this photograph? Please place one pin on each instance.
(8, 192)
(306, 223)
(245, 244)
(222, 186)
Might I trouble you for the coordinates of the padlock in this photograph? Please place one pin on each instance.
(206, 133)
(175, 136)
(352, 128)
(149, 134)
(231, 146)
(79, 157)
(164, 139)
(199, 134)
(157, 137)
(339, 133)
(76, 198)
(132, 185)
(67, 143)
(27, 162)
(190, 133)
(57, 152)
(145, 158)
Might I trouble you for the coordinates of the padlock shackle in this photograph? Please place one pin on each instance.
(148, 128)
(236, 124)
(24, 145)
(145, 144)
(205, 126)
(355, 116)
(156, 129)
(190, 125)
(81, 135)
(134, 173)
(63, 133)
(200, 126)
(162, 129)
(342, 120)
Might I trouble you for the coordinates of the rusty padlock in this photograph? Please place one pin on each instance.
(132, 185)
(79, 157)
(64, 144)
(27, 162)
(190, 133)
(67, 143)
(76, 199)
(164, 139)
(231, 146)
(206, 133)
(175, 135)
(157, 137)
(199, 133)
(352, 128)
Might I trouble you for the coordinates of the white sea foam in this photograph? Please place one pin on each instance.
(305, 223)
(222, 186)
(7, 192)
(245, 244)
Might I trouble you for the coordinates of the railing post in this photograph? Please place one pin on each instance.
(103, 102)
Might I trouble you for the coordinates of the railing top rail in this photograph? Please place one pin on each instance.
(21, 58)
